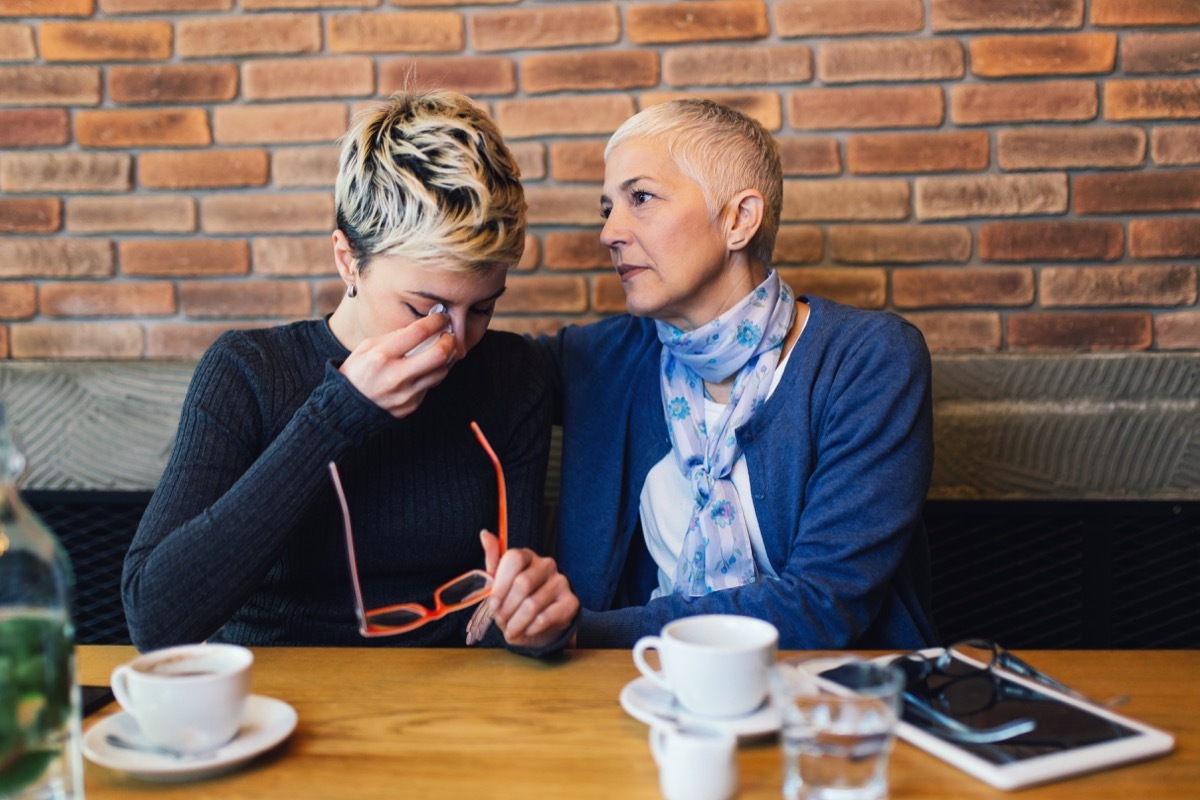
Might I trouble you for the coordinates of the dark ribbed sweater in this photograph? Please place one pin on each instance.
(243, 540)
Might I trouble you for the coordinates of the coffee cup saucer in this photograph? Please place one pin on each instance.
(266, 723)
(647, 702)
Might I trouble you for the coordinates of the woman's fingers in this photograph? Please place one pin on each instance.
(380, 370)
(531, 600)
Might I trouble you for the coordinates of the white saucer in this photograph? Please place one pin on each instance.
(646, 701)
(266, 723)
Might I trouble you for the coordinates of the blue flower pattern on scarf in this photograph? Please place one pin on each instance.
(745, 342)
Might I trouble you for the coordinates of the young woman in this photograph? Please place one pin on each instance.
(728, 447)
(243, 540)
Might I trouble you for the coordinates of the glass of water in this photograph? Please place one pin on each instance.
(839, 723)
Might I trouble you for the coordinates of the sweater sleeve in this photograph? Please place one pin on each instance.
(232, 491)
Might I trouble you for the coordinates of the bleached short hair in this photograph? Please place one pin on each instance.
(428, 177)
(723, 150)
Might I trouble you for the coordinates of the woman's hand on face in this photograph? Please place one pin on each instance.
(380, 370)
(531, 602)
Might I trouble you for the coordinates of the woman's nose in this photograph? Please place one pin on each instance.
(614, 232)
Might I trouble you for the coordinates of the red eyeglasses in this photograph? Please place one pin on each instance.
(453, 595)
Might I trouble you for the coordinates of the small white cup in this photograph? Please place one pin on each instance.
(189, 698)
(716, 665)
(695, 762)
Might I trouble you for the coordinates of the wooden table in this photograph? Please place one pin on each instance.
(471, 724)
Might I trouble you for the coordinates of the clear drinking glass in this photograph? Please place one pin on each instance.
(839, 723)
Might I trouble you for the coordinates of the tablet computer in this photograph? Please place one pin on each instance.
(1013, 732)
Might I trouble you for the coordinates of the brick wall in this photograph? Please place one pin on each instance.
(1010, 176)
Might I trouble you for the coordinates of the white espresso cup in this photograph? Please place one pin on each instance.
(695, 762)
(189, 698)
(716, 665)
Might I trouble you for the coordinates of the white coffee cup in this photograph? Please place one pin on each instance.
(695, 762)
(189, 698)
(716, 665)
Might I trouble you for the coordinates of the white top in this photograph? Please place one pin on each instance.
(666, 503)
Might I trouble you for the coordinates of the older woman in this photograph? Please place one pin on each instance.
(243, 539)
(728, 447)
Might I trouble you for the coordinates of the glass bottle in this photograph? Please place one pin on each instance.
(40, 727)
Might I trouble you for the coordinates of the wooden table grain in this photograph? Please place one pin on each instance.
(461, 724)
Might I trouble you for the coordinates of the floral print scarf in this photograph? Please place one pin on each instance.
(746, 340)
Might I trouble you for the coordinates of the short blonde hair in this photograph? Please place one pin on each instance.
(427, 176)
(723, 150)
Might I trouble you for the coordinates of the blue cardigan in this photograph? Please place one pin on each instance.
(839, 460)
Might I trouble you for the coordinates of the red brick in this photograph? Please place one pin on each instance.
(556, 72)
(899, 244)
(697, 21)
(59, 340)
(283, 122)
(577, 161)
(1178, 331)
(809, 155)
(16, 42)
(563, 205)
(1169, 237)
(1137, 192)
(1170, 98)
(202, 169)
(1079, 331)
(125, 214)
(1052, 54)
(959, 331)
(105, 41)
(473, 75)
(988, 15)
(287, 78)
(762, 106)
(184, 127)
(1160, 52)
(799, 244)
(1176, 144)
(104, 299)
(608, 296)
(1127, 285)
(4, 349)
(840, 17)
(848, 200)
(30, 214)
(717, 65)
(530, 258)
(1057, 240)
(34, 127)
(571, 250)
(65, 172)
(400, 32)
(171, 6)
(967, 286)
(293, 255)
(569, 25)
(890, 153)
(27, 257)
(305, 166)
(550, 116)
(862, 287)
(1055, 101)
(187, 340)
(544, 294)
(18, 300)
(1134, 13)
(47, 8)
(864, 60)
(866, 107)
(245, 298)
(184, 258)
(266, 5)
(530, 158)
(50, 86)
(1071, 148)
(173, 83)
(990, 196)
(300, 212)
(250, 34)
(328, 296)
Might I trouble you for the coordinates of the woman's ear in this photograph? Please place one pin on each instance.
(746, 215)
(343, 257)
